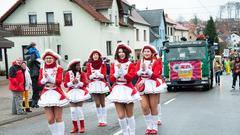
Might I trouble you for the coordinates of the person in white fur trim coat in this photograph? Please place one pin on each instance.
(123, 94)
(148, 70)
(75, 81)
(52, 97)
(96, 73)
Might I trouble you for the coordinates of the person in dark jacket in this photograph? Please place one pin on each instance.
(16, 85)
(34, 67)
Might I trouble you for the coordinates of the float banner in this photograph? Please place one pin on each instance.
(185, 70)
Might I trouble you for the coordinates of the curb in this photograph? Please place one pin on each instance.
(21, 117)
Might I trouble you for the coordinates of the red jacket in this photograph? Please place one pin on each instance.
(129, 76)
(16, 78)
(156, 69)
(103, 71)
(67, 80)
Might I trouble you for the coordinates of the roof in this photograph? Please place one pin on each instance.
(84, 4)
(137, 18)
(180, 27)
(4, 43)
(100, 4)
(170, 21)
(153, 35)
(153, 17)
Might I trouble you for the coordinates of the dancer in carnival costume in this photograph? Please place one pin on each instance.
(75, 81)
(52, 97)
(148, 70)
(96, 73)
(123, 94)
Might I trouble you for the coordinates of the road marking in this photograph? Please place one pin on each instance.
(167, 102)
(118, 132)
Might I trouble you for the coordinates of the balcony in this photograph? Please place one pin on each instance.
(42, 29)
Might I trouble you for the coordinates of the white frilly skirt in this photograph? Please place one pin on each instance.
(77, 95)
(52, 98)
(97, 87)
(152, 88)
(123, 94)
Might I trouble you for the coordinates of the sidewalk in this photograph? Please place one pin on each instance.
(6, 105)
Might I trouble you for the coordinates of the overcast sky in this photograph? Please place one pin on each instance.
(174, 8)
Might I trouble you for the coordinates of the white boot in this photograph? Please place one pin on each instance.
(99, 114)
(60, 128)
(154, 122)
(159, 114)
(53, 128)
(123, 125)
(131, 125)
(148, 121)
(104, 116)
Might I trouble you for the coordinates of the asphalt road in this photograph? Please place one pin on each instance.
(190, 111)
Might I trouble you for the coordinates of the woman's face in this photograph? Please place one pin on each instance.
(24, 65)
(49, 60)
(95, 56)
(121, 54)
(19, 61)
(147, 53)
(78, 67)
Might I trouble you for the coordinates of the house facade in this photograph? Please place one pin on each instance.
(180, 32)
(157, 23)
(71, 27)
(235, 40)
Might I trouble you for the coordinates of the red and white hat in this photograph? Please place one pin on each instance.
(94, 51)
(49, 52)
(151, 47)
(73, 61)
(123, 45)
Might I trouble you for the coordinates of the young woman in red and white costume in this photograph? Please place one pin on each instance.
(52, 97)
(75, 81)
(123, 94)
(148, 71)
(96, 73)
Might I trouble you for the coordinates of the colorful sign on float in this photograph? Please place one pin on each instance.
(185, 70)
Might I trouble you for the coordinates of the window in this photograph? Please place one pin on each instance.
(109, 47)
(50, 17)
(119, 41)
(24, 52)
(110, 17)
(137, 34)
(116, 21)
(145, 35)
(171, 31)
(68, 19)
(32, 19)
(1, 57)
(125, 19)
(59, 51)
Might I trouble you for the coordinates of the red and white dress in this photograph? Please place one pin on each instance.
(123, 91)
(53, 96)
(150, 76)
(97, 84)
(76, 92)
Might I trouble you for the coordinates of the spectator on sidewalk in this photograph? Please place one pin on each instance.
(34, 67)
(218, 70)
(16, 85)
(28, 87)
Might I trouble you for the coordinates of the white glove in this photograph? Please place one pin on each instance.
(124, 72)
(116, 75)
(139, 72)
(92, 76)
(43, 81)
(101, 76)
(70, 84)
(51, 79)
(149, 72)
(80, 84)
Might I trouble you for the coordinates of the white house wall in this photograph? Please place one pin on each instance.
(140, 43)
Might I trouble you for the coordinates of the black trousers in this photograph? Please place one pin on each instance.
(36, 91)
(235, 79)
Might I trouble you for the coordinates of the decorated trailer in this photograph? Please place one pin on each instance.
(188, 64)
